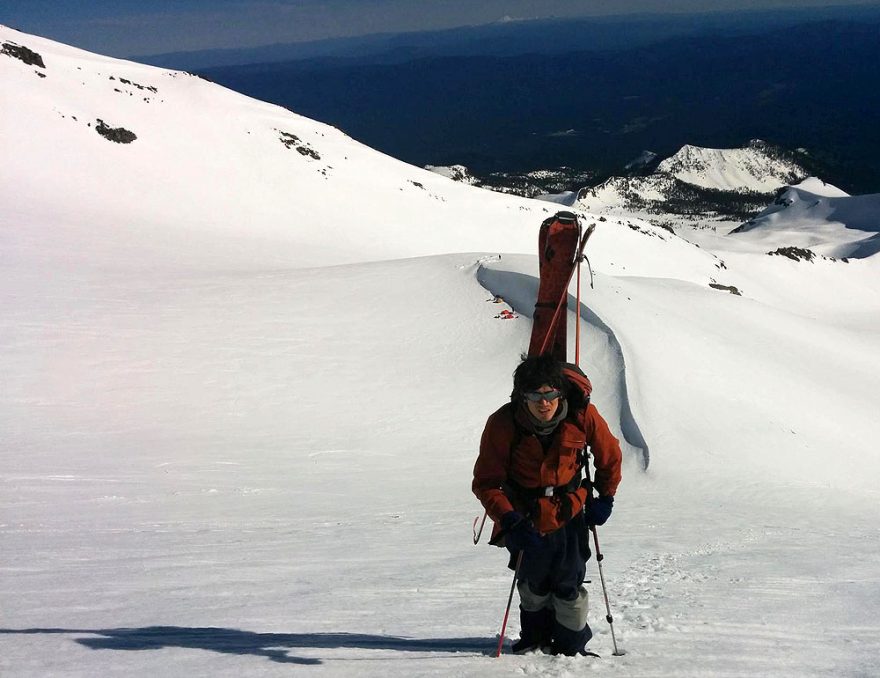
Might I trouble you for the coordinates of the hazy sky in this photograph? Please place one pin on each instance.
(140, 27)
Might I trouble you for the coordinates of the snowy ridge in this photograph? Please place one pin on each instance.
(829, 222)
(243, 389)
(252, 184)
(208, 160)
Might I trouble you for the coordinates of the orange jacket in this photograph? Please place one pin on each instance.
(509, 454)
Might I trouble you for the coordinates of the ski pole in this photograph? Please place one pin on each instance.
(496, 540)
(608, 618)
(577, 318)
(509, 599)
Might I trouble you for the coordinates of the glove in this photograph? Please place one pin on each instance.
(519, 533)
(599, 510)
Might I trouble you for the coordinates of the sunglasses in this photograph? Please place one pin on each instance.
(536, 396)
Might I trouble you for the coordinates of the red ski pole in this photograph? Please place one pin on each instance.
(509, 599)
(577, 317)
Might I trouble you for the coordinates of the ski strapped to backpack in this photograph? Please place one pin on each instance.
(561, 243)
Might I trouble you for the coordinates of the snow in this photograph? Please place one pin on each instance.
(242, 399)
(455, 172)
(613, 195)
(816, 186)
(826, 222)
(566, 198)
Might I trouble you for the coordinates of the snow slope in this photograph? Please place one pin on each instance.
(824, 221)
(242, 398)
(818, 187)
(265, 184)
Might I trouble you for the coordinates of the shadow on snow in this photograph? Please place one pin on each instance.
(272, 646)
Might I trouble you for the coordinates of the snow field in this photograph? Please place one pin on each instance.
(242, 398)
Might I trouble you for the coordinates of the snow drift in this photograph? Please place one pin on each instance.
(825, 220)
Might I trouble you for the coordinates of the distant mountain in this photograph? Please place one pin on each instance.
(505, 38)
(458, 173)
(730, 183)
(759, 167)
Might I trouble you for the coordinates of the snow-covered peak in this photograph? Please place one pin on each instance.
(699, 183)
(757, 167)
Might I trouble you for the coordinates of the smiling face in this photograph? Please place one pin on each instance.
(545, 408)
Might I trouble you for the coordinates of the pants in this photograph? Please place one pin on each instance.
(553, 600)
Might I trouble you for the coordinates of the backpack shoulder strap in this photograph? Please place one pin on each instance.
(518, 432)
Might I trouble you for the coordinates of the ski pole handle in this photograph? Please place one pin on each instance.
(494, 541)
(479, 533)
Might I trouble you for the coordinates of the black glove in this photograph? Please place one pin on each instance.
(599, 510)
(519, 535)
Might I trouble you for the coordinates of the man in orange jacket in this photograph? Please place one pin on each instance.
(529, 477)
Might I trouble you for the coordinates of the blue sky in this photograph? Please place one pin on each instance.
(139, 27)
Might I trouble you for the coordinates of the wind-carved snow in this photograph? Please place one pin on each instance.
(243, 390)
(603, 359)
